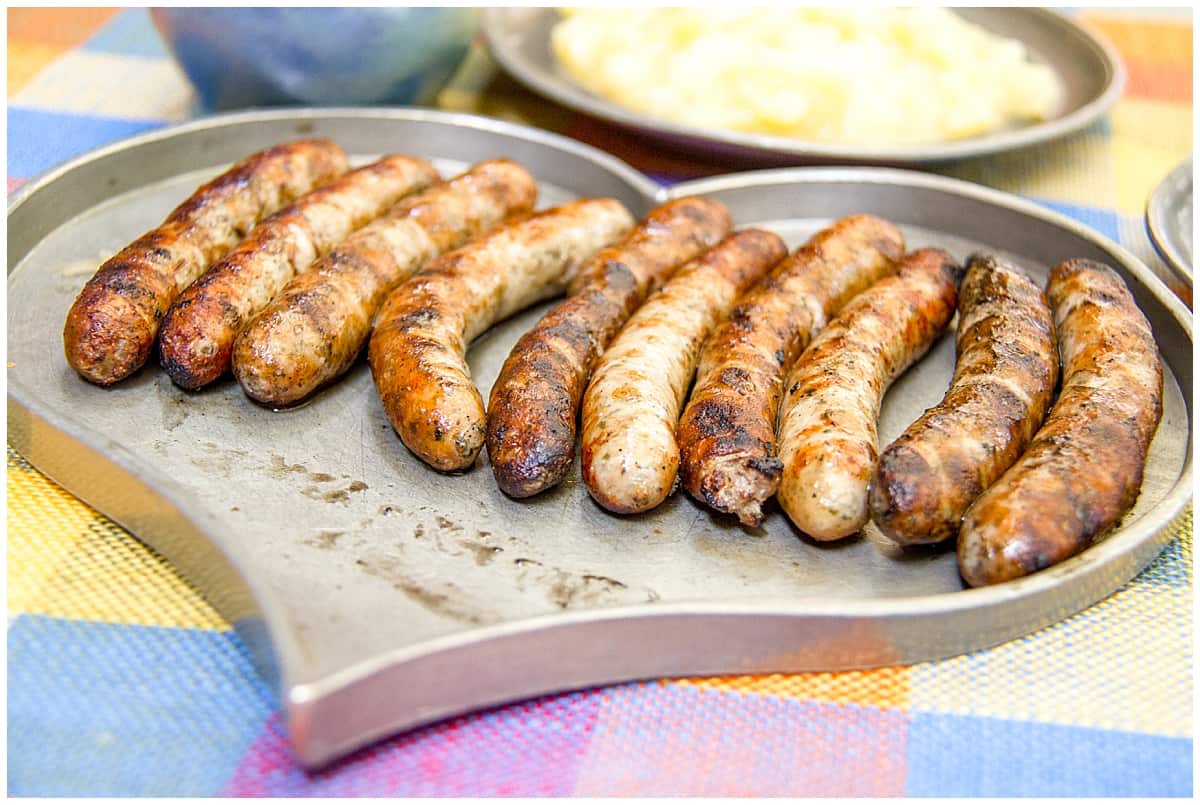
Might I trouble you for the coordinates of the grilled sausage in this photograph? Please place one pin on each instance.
(828, 418)
(1083, 470)
(1004, 379)
(197, 335)
(111, 327)
(630, 409)
(727, 432)
(314, 329)
(535, 401)
(417, 352)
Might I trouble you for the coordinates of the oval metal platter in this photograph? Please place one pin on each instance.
(1169, 221)
(379, 595)
(1089, 69)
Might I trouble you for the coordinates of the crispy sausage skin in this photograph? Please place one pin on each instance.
(1003, 382)
(631, 407)
(417, 352)
(196, 339)
(1084, 468)
(111, 327)
(828, 419)
(727, 432)
(535, 401)
(314, 329)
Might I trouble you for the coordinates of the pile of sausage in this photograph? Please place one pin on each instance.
(284, 268)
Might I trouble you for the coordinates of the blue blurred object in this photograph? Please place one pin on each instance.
(239, 57)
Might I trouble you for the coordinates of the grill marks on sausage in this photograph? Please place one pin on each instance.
(535, 400)
(111, 328)
(727, 432)
(313, 331)
(1004, 379)
(420, 368)
(197, 336)
(1083, 469)
(630, 455)
(828, 418)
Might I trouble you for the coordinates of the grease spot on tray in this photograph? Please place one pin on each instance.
(484, 553)
(333, 495)
(217, 460)
(326, 540)
(440, 597)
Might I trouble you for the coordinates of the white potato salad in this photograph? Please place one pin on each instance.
(867, 76)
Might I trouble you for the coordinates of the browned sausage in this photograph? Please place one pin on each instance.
(630, 409)
(828, 439)
(727, 432)
(197, 335)
(110, 330)
(417, 352)
(1003, 382)
(535, 401)
(1083, 470)
(313, 331)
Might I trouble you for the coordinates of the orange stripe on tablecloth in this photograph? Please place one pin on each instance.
(57, 27)
(26, 60)
(1147, 40)
(884, 688)
(1155, 81)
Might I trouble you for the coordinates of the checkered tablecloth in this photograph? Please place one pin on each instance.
(123, 681)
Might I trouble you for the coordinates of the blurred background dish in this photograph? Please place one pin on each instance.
(1169, 220)
(243, 57)
(1086, 69)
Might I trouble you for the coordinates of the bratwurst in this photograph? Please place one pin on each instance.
(1084, 467)
(631, 408)
(112, 326)
(197, 334)
(418, 349)
(535, 401)
(1004, 379)
(727, 432)
(828, 426)
(315, 328)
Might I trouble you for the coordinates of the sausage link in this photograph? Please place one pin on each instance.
(1084, 468)
(417, 352)
(1004, 379)
(196, 339)
(535, 401)
(314, 329)
(111, 327)
(727, 432)
(630, 409)
(828, 439)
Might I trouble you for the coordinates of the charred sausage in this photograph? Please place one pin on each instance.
(631, 407)
(314, 329)
(828, 418)
(1004, 379)
(111, 327)
(727, 432)
(197, 335)
(417, 352)
(535, 401)
(1084, 468)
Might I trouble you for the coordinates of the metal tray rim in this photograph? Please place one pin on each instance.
(573, 96)
(643, 183)
(1160, 234)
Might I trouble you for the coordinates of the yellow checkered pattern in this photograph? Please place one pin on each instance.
(67, 560)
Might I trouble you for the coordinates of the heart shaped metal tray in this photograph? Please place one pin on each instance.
(379, 595)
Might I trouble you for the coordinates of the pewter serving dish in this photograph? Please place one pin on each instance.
(1169, 223)
(379, 595)
(1088, 69)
